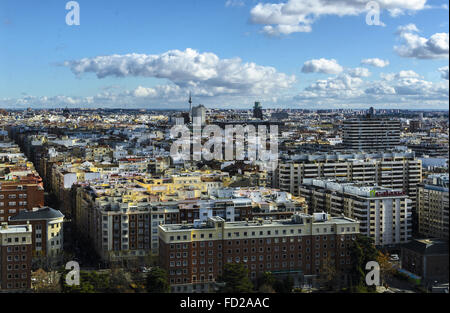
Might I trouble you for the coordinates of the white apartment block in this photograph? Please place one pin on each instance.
(384, 213)
(397, 170)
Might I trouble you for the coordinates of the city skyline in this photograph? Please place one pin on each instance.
(286, 54)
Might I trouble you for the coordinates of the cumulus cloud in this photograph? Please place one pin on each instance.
(322, 66)
(399, 75)
(375, 62)
(414, 46)
(341, 86)
(444, 72)
(404, 89)
(189, 69)
(298, 15)
(359, 72)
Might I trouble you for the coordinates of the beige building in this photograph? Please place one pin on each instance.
(432, 207)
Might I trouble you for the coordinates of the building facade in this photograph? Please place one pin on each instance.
(371, 133)
(48, 235)
(16, 197)
(194, 254)
(432, 207)
(384, 214)
(396, 170)
(15, 257)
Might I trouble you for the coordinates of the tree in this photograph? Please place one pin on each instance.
(45, 281)
(362, 251)
(284, 286)
(235, 277)
(157, 281)
(118, 282)
(265, 283)
(90, 282)
(387, 269)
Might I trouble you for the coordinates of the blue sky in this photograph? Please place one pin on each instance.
(41, 56)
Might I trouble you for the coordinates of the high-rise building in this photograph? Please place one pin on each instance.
(194, 255)
(384, 213)
(257, 110)
(432, 207)
(371, 133)
(391, 170)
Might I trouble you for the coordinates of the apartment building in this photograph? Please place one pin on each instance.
(432, 207)
(15, 257)
(121, 224)
(394, 169)
(194, 254)
(384, 213)
(17, 196)
(371, 133)
(47, 224)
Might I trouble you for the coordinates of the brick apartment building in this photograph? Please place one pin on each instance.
(194, 254)
(16, 196)
(15, 257)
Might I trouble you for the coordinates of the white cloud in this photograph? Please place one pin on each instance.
(375, 62)
(359, 72)
(322, 66)
(341, 86)
(189, 69)
(404, 89)
(414, 46)
(298, 15)
(444, 72)
(399, 75)
(409, 28)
